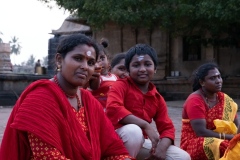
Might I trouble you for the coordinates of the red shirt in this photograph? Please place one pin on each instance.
(125, 98)
(105, 83)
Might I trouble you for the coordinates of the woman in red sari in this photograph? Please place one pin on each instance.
(55, 119)
(202, 111)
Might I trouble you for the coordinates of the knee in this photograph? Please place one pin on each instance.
(184, 156)
(135, 131)
(175, 153)
(131, 132)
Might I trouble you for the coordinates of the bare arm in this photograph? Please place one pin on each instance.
(199, 127)
(94, 81)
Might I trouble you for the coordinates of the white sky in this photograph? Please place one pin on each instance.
(30, 21)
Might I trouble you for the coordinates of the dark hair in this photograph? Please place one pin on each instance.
(103, 45)
(69, 42)
(201, 73)
(117, 58)
(141, 49)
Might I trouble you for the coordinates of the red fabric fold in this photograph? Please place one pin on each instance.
(44, 110)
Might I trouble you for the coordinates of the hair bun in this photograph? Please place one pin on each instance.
(104, 42)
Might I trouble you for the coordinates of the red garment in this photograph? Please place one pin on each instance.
(196, 108)
(101, 93)
(44, 110)
(125, 98)
(42, 150)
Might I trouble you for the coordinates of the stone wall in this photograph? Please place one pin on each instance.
(5, 61)
(12, 85)
(123, 38)
(180, 88)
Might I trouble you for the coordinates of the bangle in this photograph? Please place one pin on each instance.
(220, 136)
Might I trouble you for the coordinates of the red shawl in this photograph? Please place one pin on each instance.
(44, 110)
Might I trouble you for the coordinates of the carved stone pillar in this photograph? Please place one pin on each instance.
(5, 61)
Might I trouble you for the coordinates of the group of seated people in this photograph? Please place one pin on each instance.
(94, 109)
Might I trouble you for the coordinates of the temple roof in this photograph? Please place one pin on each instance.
(71, 25)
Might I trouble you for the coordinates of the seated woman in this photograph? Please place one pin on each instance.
(57, 119)
(203, 110)
(132, 104)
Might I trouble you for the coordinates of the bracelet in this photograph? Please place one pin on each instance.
(220, 136)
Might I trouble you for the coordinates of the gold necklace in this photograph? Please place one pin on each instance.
(207, 100)
(69, 96)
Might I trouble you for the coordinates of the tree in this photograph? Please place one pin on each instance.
(216, 18)
(133, 12)
(15, 46)
(30, 61)
(1, 41)
(45, 61)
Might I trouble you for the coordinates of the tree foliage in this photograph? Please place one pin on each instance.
(30, 61)
(15, 46)
(45, 61)
(1, 41)
(216, 18)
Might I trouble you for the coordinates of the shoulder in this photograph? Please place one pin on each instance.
(43, 84)
(224, 96)
(87, 96)
(109, 77)
(122, 82)
(89, 101)
(194, 99)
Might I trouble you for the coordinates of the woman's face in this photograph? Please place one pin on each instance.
(103, 61)
(120, 69)
(141, 69)
(213, 81)
(78, 65)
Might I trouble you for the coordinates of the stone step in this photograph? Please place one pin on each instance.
(8, 98)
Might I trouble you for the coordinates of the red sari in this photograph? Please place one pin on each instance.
(44, 111)
(205, 148)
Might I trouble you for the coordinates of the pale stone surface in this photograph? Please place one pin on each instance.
(5, 61)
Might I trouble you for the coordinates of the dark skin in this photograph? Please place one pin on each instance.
(211, 84)
(94, 81)
(141, 70)
(159, 146)
(101, 68)
(76, 69)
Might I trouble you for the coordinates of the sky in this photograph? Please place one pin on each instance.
(31, 21)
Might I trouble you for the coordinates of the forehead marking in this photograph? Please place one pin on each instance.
(89, 53)
(141, 57)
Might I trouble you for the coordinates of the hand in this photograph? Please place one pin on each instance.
(161, 150)
(157, 154)
(153, 136)
(95, 76)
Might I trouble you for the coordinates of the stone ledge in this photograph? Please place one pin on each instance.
(17, 77)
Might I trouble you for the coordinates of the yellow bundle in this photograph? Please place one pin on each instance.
(232, 152)
(227, 127)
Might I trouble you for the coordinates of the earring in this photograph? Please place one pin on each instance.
(155, 71)
(58, 68)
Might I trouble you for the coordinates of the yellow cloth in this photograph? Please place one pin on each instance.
(211, 145)
(232, 152)
(227, 127)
